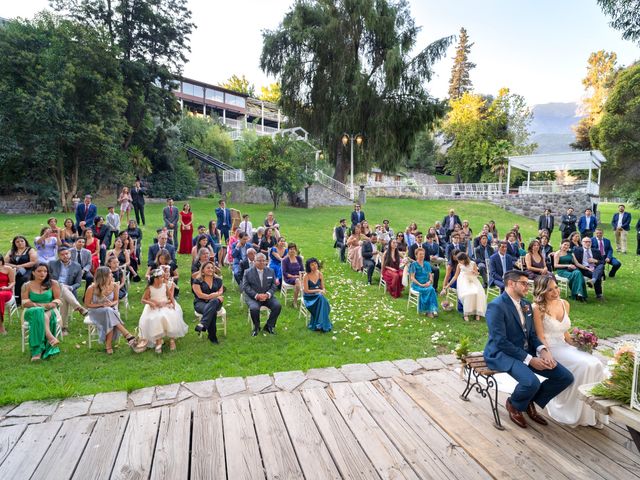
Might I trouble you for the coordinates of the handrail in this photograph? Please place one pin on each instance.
(206, 158)
(333, 184)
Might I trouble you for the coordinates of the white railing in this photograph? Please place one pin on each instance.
(238, 126)
(540, 187)
(333, 184)
(469, 190)
(233, 176)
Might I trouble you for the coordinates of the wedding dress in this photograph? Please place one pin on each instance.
(567, 408)
(470, 291)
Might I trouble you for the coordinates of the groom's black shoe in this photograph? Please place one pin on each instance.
(535, 416)
(516, 416)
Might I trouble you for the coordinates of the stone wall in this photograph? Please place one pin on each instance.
(319, 196)
(532, 206)
(22, 204)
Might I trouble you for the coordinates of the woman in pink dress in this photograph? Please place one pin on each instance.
(125, 203)
(7, 284)
(186, 230)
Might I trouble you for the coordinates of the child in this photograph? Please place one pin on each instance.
(113, 221)
(162, 316)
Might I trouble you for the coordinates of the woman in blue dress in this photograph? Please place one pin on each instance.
(314, 297)
(421, 279)
(276, 254)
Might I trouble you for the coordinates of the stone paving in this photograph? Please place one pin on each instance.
(152, 397)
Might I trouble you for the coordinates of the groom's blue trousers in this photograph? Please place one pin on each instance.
(530, 389)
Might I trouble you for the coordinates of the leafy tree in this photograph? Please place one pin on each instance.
(597, 83)
(345, 66)
(239, 84)
(270, 93)
(625, 17)
(460, 80)
(425, 150)
(61, 104)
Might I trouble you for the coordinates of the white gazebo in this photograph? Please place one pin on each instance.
(551, 162)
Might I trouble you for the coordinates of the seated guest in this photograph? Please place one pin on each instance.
(204, 255)
(603, 245)
(340, 241)
(135, 235)
(493, 230)
(466, 237)
(68, 274)
(387, 228)
(276, 254)
(484, 231)
(130, 246)
(402, 244)
(235, 235)
(591, 263)
(93, 245)
(500, 263)
(239, 253)
(162, 244)
(216, 242)
(47, 245)
(69, 234)
(513, 246)
(207, 299)
(122, 254)
(258, 235)
(245, 225)
(259, 287)
(587, 224)
(354, 250)
(482, 254)
(103, 233)
(246, 264)
(83, 257)
(516, 230)
(546, 251)
(40, 296)
(534, 262)
(411, 252)
(268, 242)
(455, 244)
(7, 284)
(365, 229)
(202, 230)
(163, 261)
(270, 222)
(440, 234)
(391, 271)
(421, 280)
(576, 241)
(449, 222)
(383, 237)
(432, 255)
(162, 315)
(202, 242)
(118, 277)
(291, 270)
(369, 251)
(22, 258)
(101, 298)
(315, 299)
(621, 224)
(468, 288)
(566, 266)
(409, 236)
(113, 222)
(449, 274)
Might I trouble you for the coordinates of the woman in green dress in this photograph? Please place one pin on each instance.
(566, 266)
(40, 297)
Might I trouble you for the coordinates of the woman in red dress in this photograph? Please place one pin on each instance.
(391, 271)
(186, 230)
(7, 284)
(93, 245)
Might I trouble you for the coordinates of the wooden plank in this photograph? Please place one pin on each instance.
(458, 461)
(278, 455)
(626, 416)
(100, 453)
(62, 457)
(9, 436)
(240, 441)
(136, 451)
(313, 454)
(171, 457)
(207, 456)
(347, 453)
(27, 453)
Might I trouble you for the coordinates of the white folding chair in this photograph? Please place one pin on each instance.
(492, 291)
(302, 310)
(221, 319)
(414, 299)
(263, 309)
(563, 284)
(284, 289)
(92, 330)
(382, 283)
(12, 304)
(25, 326)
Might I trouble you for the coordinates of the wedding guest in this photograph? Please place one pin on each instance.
(402, 244)
(270, 222)
(466, 237)
(203, 256)
(292, 268)
(163, 260)
(186, 229)
(75, 200)
(383, 237)
(422, 281)
(449, 222)
(235, 235)
(259, 287)
(391, 271)
(513, 246)
(215, 240)
(410, 237)
(207, 299)
(137, 200)
(482, 255)
(568, 223)
(546, 251)
(40, 296)
(387, 228)
(535, 264)
(246, 264)
(68, 274)
(357, 216)
(92, 244)
(365, 229)
(163, 244)
(516, 231)
(454, 245)
(484, 231)
(102, 232)
(246, 226)
(82, 256)
(268, 242)
(369, 253)
(135, 234)
(499, 264)
(354, 250)
(239, 254)
(113, 222)
(552, 326)
(162, 315)
(566, 266)
(69, 234)
(224, 224)
(101, 299)
(621, 223)
(125, 201)
(339, 235)
(86, 212)
(118, 277)
(202, 242)
(411, 251)
(546, 221)
(276, 254)
(123, 255)
(603, 245)
(591, 263)
(258, 235)
(587, 224)
(468, 287)
(170, 217)
(7, 284)
(493, 230)
(576, 241)
(47, 245)
(314, 297)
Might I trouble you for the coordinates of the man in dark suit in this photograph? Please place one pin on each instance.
(514, 347)
(69, 275)
(568, 223)
(259, 287)
(454, 245)
(340, 233)
(162, 243)
(432, 255)
(449, 222)
(621, 223)
(603, 245)
(482, 254)
(370, 255)
(137, 197)
(357, 216)
(239, 254)
(587, 224)
(102, 232)
(223, 220)
(85, 214)
(170, 217)
(500, 263)
(546, 221)
(82, 256)
(591, 264)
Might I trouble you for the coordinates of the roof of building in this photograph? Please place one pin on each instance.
(547, 162)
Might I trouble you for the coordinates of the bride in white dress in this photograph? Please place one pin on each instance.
(552, 324)
(469, 289)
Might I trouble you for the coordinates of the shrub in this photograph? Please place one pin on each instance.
(177, 184)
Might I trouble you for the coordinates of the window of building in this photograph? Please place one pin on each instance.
(234, 100)
(190, 89)
(215, 95)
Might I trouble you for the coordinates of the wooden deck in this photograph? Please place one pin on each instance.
(409, 426)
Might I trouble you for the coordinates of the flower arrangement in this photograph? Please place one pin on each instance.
(462, 348)
(618, 385)
(446, 305)
(584, 340)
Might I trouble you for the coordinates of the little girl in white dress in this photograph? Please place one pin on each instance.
(468, 287)
(162, 315)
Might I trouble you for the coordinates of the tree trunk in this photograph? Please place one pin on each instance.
(61, 183)
(343, 163)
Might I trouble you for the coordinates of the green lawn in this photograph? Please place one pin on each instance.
(368, 325)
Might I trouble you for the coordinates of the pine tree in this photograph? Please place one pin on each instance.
(460, 81)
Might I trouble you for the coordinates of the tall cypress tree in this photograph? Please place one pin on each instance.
(460, 81)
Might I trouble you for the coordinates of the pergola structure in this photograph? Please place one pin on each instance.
(550, 162)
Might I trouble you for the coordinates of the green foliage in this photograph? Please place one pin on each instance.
(618, 386)
(462, 348)
(208, 136)
(177, 184)
(344, 66)
(624, 14)
(240, 84)
(460, 82)
(424, 153)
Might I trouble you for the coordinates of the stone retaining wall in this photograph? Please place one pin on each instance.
(319, 196)
(532, 206)
(21, 205)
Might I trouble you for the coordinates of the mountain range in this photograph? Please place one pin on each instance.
(551, 126)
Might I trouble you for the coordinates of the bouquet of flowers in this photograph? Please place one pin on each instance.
(584, 340)
(618, 386)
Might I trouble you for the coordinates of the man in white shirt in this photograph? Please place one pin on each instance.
(245, 226)
(113, 221)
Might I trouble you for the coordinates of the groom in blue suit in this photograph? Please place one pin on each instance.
(514, 347)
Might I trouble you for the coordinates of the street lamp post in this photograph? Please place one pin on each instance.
(350, 138)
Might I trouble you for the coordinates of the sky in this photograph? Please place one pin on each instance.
(536, 48)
